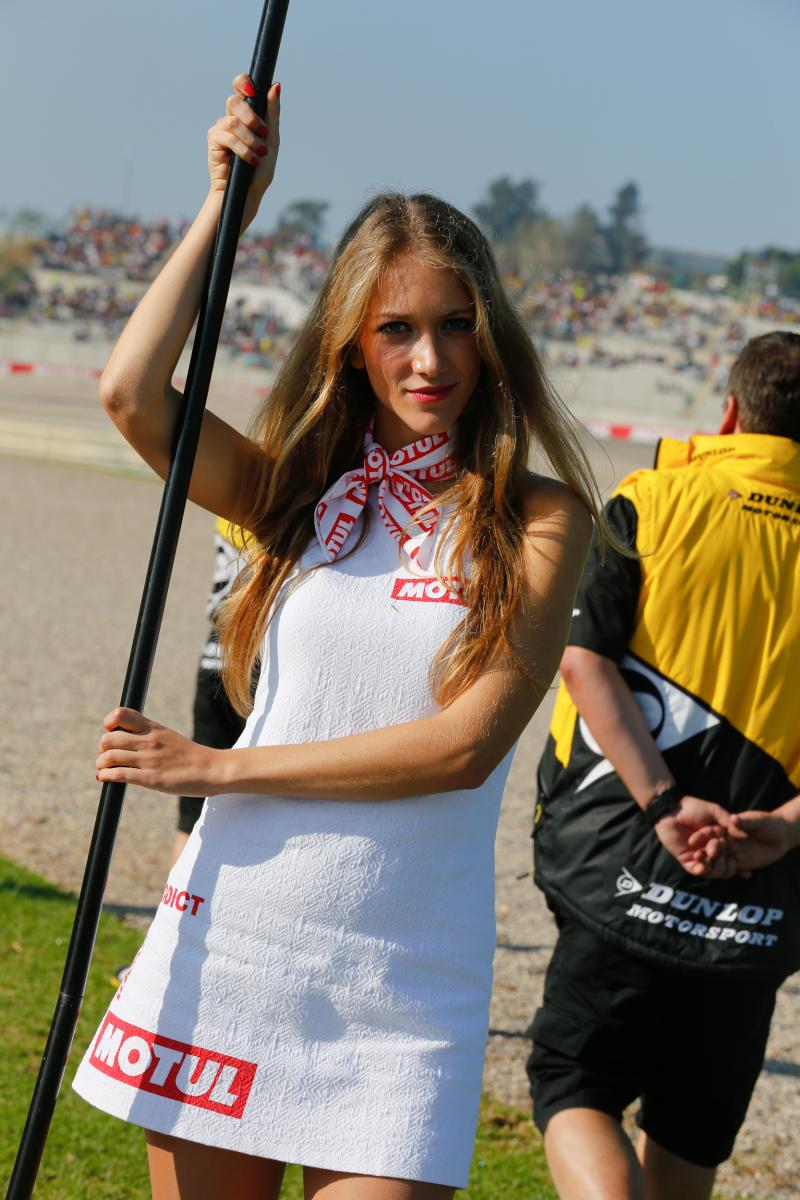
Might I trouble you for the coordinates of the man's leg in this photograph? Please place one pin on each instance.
(588, 1063)
(187, 819)
(712, 1038)
(668, 1177)
(591, 1157)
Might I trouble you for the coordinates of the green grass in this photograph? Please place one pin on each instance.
(91, 1155)
(87, 1153)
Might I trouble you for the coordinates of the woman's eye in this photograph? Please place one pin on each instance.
(449, 325)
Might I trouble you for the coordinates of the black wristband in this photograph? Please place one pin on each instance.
(663, 804)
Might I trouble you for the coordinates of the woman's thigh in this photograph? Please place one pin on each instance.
(181, 1170)
(334, 1185)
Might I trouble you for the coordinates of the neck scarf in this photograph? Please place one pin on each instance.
(399, 477)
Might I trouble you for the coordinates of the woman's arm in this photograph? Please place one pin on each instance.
(456, 748)
(136, 387)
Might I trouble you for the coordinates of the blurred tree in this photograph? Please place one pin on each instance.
(737, 268)
(755, 270)
(625, 242)
(535, 247)
(304, 218)
(16, 285)
(789, 276)
(28, 222)
(547, 249)
(586, 248)
(508, 206)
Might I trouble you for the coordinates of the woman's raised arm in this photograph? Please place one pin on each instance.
(136, 388)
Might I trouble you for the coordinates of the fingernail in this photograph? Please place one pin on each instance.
(262, 131)
(249, 90)
(277, 89)
(254, 161)
(97, 777)
(261, 151)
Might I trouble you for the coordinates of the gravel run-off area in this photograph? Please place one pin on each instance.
(75, 543)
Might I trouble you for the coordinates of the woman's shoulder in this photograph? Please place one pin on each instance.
(546, 501)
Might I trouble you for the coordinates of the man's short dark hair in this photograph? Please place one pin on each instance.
(765, 379)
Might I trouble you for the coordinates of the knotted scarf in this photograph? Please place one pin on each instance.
(399, 477)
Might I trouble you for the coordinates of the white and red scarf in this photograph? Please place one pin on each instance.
(399, 477)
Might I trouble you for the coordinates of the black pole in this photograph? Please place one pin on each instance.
(148, 624)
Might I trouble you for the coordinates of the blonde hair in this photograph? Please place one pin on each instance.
(311, 428)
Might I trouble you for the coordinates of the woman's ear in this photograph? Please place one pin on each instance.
(357, 357)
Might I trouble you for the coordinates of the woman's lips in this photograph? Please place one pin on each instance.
(430, 395)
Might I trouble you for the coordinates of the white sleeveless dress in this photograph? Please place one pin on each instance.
(315, 985)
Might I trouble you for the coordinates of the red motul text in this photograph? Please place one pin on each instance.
(175, 1070)
(431, 591)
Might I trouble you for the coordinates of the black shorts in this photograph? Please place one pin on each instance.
(217, 724)
(612, 1028)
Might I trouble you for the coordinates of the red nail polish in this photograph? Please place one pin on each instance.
(254, 161)
(97, 777)
(262, 131)
(277, 89)
(261, 151)
(249, 90)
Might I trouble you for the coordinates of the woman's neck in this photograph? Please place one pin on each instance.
(392, 433)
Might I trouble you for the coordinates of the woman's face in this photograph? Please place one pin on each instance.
(419, 351)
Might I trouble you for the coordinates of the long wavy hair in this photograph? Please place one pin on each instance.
(311, 427)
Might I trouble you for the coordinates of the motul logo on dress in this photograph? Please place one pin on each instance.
(172, 1069)
(430, 591)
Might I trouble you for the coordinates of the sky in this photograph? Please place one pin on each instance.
(696, 100)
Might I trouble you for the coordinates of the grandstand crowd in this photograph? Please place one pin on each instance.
(90, 273)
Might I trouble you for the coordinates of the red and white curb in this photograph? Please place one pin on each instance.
(225, 387)
(643, 434)
(62, 370)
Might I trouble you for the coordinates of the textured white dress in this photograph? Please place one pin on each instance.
(315, 985)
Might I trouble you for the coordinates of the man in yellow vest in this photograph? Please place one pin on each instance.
(677, 712)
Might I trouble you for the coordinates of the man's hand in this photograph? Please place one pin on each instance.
(751, 840)
(695, 835)
(757, 839)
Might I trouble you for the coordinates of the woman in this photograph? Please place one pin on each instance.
(315, 986)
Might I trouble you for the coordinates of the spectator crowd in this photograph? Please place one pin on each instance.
(90, 273)
(614, 321)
